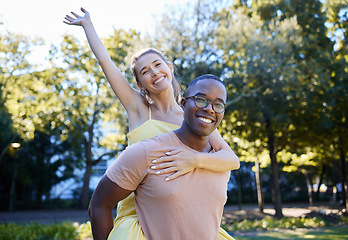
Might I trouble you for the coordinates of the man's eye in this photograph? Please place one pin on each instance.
(200, 99)
(219, 105)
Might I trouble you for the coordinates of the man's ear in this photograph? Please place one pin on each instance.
(183, 103)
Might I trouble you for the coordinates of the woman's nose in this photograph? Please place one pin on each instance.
(154, 72)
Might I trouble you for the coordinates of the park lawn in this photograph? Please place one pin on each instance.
(326, 233)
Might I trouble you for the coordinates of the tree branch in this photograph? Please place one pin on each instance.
(111, 153)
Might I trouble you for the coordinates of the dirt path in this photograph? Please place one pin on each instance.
(231, 213)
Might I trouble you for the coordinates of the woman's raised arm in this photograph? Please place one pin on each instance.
(124, 92)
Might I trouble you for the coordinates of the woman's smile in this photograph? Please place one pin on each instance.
(158, 80)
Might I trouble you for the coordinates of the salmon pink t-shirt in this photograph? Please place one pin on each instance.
(188, 207)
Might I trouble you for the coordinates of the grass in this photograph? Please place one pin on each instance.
(317, 228)
(267, 228)
(326, 233)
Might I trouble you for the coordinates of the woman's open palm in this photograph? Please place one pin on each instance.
(77, 19)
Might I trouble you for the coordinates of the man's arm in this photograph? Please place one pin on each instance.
(104, 199)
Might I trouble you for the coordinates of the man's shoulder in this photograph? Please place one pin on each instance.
(159, 139)
(148, 146)
(135, 148)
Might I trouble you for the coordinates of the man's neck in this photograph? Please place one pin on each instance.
(192, 140)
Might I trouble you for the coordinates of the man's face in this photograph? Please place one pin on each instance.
(203, 121)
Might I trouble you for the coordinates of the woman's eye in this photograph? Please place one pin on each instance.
(158, 64)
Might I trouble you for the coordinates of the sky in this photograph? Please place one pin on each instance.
(44, 18)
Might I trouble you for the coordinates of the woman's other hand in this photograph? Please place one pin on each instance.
(177, 161)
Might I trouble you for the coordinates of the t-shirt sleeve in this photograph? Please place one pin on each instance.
(130, 168)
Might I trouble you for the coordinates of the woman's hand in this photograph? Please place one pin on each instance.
(177, 161)
(77, 19)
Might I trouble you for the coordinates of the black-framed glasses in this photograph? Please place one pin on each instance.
(202, 102)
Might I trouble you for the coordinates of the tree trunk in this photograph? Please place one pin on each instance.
(309, 188)
(38, 200)
(3, 151)
(317, 194)
(276, 194)
(12, 205)
(260, 199)
(84, 199)
(343, 173)
(239, 191)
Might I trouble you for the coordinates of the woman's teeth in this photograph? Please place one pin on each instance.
(158, 80)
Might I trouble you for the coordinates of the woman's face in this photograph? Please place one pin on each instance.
(154, 74)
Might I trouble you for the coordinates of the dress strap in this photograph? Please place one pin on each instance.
(149, 113)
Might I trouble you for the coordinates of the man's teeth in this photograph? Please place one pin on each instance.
(159, 80)
(206, 120)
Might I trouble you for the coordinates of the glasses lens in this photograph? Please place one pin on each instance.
(218, 107)
(201, 102)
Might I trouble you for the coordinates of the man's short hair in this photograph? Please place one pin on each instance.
(202, 77)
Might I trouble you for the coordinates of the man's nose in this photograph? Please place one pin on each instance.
(209, 107)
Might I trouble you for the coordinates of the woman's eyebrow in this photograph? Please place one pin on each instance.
(146, 66)
(157, 60)
(142, 69)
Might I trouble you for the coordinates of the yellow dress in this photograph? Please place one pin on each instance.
(126, 224)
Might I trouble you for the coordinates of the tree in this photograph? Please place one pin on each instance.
(260, 63)
(29, 106)
(14, 49)
(338, 20)
(90, 103)
(186, 33)
(322, 59)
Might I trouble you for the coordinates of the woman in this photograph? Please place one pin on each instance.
(152, 111)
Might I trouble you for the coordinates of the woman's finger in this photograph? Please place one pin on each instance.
(163, 159)
(169, 156)
(75, 14)
(162, 165)
(164, 171)
(174, 175)
(173, 152)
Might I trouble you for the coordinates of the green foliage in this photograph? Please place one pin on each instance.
(83, 230)
(327, 233)
(272, 223)
(18, 83)
(93, 123)
(191, 25)
(68, 230)
(344, 219)
(35, 231)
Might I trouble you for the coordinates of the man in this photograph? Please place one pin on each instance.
(189, 207)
